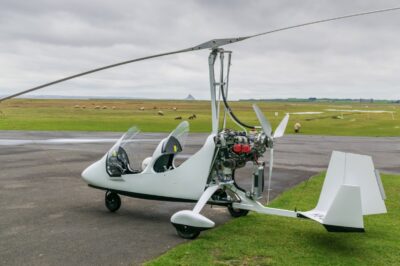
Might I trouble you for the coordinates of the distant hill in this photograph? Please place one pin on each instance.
(190, 98)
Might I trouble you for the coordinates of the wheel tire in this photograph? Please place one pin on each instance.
(113, 201)
(237, 212)
(187, 232)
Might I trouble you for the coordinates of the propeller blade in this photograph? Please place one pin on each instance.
(280, 130)
(271, 164)
(212, 44)
(265, 124)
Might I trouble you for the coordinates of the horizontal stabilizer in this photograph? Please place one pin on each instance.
(343, 229)
(344, 215)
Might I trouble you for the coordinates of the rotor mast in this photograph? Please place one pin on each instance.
(214, 115)
(221, 86)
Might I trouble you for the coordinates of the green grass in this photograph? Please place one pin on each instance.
(271, 240)
(28, 114)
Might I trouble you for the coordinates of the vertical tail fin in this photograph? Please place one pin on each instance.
(351, 189)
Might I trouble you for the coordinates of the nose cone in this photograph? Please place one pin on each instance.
(89, 173)
(96, 173)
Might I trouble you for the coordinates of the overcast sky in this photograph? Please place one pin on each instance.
(44, 40)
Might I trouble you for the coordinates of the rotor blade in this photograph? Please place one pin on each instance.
(266, 126)
(271, 164)
(325, 20)
(280, 130)
(95, 70)
(16, 142)
(212, 44)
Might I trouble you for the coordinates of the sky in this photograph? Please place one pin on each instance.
(44, 40)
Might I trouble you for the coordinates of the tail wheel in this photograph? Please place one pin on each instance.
(113, 201)
(237, 212)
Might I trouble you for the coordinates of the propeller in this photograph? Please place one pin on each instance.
(212, 44)
(267, 129)
(265, 124)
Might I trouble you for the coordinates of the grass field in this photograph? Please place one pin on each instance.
(269, 240)
(89, 115)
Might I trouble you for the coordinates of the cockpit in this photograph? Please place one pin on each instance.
(125, 156)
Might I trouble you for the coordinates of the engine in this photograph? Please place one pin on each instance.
(234, 150)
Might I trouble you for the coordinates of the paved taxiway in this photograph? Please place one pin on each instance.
(50, 217)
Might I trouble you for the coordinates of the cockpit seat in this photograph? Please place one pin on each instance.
(118, 163)
(171, 146)
(165, 162)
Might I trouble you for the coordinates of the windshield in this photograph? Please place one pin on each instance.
(129, 152)
(181, 132)
(121, 156)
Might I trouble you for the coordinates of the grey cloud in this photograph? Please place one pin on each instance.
(46, 39)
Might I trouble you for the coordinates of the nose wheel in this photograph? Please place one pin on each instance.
(186, 231)
(112, 201)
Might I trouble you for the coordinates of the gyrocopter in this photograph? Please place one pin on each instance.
(352, 187)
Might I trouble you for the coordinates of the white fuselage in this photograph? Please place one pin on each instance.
(186, 182)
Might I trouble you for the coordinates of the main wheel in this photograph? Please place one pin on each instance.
(113, 201)
(237, 212)
(186, 231)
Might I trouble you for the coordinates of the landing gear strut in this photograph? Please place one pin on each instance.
(113, 201)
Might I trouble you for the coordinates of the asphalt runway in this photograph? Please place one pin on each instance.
(49, 216)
